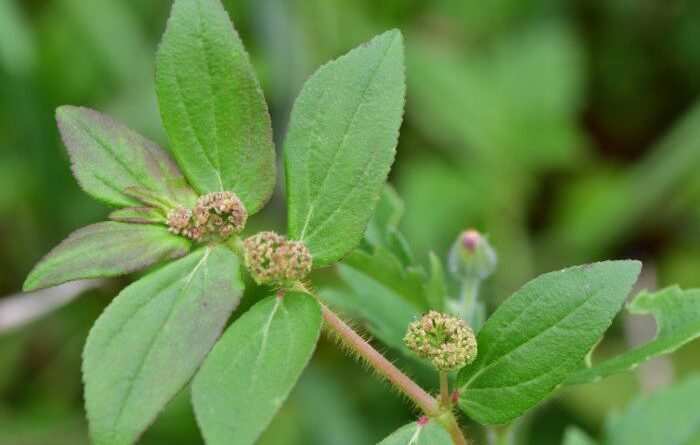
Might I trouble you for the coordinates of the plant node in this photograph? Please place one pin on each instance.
(274, 260)
(446, 340)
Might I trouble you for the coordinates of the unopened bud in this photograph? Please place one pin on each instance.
(472, 256)
(446, 340)
(272, 259)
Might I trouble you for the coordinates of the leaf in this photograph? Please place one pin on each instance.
(107, 157)
(342, 138)
(105, 249)
(668, 418)
(574, 436)
(212, 105)
(151, 339)
(384, 313)
(386, 216)
(416, 434)
(677, 314)
(139, 215)
(386, 269)
(250, 372)
(537, 337)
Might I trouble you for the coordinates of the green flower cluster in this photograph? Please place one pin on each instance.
(446, 340)
(216, 215)
(272, 259)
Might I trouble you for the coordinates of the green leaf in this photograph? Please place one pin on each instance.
(668, 418)
(537, 337)
(574, 436)
(250, 372)
(677, 314)
(212, 105)
(415, 434)
(151, 339)
(108, 157)
(139, 215)
(385, 217)
(341, 143)
(383, 312)
(387, 270)
(106, 249)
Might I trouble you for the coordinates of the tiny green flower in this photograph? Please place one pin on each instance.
(216, 215)
(272, 259)
(472, 256)
(446, 340)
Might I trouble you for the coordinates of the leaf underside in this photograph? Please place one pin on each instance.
(415, 434)
(212, 106)
(677, 314)
(105, 249)
(151, 339)
(537, 337)
(341, 143)
(251, 370)
(107, 157)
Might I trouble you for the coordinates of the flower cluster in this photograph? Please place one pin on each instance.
(272, 259)
(446, 340)
(215, 215)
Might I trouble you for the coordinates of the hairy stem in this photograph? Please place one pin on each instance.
(383, 366)
(456, 432)
(444, 390)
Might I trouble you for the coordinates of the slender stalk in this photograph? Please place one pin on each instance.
(384, 367)
(468, 299)
(444, 390)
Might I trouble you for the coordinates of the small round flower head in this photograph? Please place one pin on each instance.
(446, 340)
(272, 259)
(178, 220)
(219, 214)
(472, 256)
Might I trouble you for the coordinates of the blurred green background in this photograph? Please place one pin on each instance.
(569, 131)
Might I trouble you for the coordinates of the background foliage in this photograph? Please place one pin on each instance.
(568, 131)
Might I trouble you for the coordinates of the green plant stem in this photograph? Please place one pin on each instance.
(444, 390)
(455, 431)
(468, 299)
(384, 367)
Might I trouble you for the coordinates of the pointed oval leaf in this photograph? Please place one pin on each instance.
(341, 143)
(151, 339)
(250, 372)
(105, 249)
(107, 157)
(416, 434)
(212, 105)
(677, 314)
(539, 335)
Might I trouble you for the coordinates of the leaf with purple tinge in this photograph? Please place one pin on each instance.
(151, 339)
(107, 157)
(106, 249)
